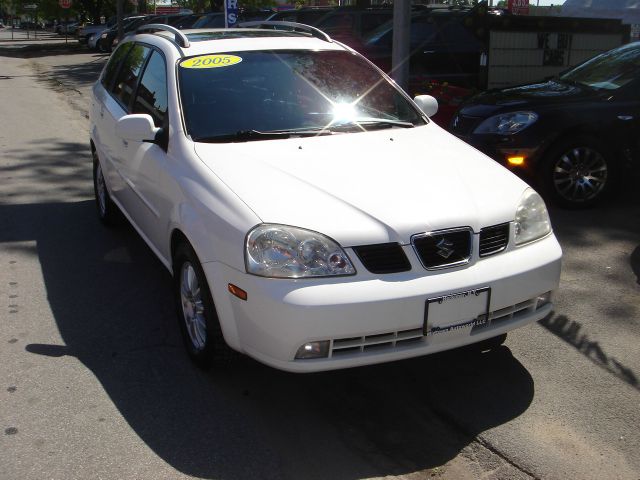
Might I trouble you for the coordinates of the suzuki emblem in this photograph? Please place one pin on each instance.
(444, 248)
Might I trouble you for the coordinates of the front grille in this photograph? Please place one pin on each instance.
(383, 258)
(507, 314)
(493, 239)
(464, 125)
(445, 248)
(377, 342)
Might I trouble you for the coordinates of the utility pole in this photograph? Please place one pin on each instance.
(401, 40)
(119, 12)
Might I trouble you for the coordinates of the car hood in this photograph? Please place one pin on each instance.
(552, 92)
(367, 188)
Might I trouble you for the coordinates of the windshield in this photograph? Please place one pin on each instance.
(240, 96)
(610, 70)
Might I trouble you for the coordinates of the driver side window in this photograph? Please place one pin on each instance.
(151, 97)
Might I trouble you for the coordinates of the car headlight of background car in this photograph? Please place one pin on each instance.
(507, 123)
(532, 219)
(281, 251)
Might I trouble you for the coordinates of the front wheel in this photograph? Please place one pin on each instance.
(196, 311)
(577, 173)
(107, 210)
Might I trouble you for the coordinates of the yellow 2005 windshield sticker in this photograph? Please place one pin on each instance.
(211, 61)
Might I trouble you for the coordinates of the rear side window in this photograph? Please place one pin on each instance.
(152, 92)
(114, 62)
(127, 78)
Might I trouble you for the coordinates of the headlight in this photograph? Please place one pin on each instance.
(532, 219)
(104, 35)
(507, 123)
(289, 252)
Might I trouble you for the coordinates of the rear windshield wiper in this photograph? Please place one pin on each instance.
(369, 124)
(255, 135)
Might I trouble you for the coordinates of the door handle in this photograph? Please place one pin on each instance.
(625, 118)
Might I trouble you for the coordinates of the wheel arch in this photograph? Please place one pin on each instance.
(220, 300)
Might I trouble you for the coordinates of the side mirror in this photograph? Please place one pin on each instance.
(137, 128)
(427, 104)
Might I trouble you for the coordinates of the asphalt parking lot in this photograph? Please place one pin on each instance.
(95, 381)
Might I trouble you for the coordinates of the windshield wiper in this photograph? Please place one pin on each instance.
(369, 124)
(241, 136)
(255, 135)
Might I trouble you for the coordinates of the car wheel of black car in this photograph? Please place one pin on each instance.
(107, 210)
(196, 311)
(577, 172)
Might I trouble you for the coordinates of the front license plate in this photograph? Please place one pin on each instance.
(457, 311)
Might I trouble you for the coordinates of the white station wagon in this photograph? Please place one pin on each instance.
(311, 214)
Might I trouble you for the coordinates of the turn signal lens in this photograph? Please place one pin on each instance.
(516, 160)
(238, 292)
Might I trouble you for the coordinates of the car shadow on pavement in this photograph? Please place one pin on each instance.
(601, 272)
(78, 74)
(112, 303)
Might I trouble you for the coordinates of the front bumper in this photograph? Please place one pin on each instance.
(371, 318)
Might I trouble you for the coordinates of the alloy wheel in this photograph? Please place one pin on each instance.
(580, 174)
(101, 191)
(193, 306)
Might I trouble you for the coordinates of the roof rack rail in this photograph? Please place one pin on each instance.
(291, 25)
(180, 38)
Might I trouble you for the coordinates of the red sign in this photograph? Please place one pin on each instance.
(518, 7)
(65, 3)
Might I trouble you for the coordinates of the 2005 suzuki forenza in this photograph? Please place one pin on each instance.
(311, 214)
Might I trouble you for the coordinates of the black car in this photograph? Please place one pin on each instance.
(443, 48)
(306, 15)
(572, 135)
(109, 36)
(350, 24)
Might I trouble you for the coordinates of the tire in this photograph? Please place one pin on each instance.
(577, 172)
(107, 210)
(196, 311)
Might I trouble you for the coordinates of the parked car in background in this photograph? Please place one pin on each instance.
(89, 29)
(108, 37)
(442, 48)
(350, 24)
(185, 21)
(311, 214)
(306, 15)
(572, 135)
(69, 28)
(92, 42)
(209, 20)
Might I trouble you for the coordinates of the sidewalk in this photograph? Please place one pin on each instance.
(17, 35)
(14, 41)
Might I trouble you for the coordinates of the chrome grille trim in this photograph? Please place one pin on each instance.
(419, 252)
(494, 239)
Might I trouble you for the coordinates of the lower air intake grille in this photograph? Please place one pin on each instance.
(444, 248)
(370, 343)
(494, 239)
(383, 258)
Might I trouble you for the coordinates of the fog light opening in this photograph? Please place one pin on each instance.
(543, 300)
(313, 350)
(516, 160)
